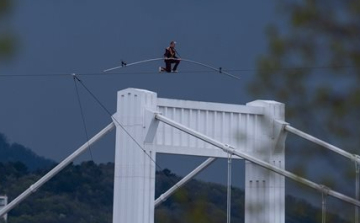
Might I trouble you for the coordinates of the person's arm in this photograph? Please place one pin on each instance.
(167, 53)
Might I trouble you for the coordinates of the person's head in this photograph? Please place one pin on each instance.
(172, 44)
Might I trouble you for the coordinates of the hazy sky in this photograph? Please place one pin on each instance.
(89, 36)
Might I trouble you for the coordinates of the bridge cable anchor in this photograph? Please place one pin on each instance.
(75, 77)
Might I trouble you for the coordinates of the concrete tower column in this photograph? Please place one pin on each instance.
(265, 190)
(134, 183)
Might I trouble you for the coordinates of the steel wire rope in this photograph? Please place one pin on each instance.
(228, 211)
(123, 65)
(82, 116)
(102, 73)
(324, 194)
(124, 129)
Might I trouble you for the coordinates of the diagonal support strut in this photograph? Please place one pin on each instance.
(231, 150)
(183, 181)
(55, 170)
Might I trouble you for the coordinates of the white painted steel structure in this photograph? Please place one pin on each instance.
(183, 181)
(147, 125)
(3, 203)
(34, 187)
(251, 129)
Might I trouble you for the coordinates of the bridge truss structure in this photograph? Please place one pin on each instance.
(147, 125)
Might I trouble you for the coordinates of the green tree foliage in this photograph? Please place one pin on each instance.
(84, 193)
(6, 39)
(313, 67)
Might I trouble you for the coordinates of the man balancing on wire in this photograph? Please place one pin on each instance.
(170, 58)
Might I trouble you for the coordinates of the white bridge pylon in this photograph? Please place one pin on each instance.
(251, 129)
(255, 132)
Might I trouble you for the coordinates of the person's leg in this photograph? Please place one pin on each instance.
(176, 64)
(162, 69)
(168, 66)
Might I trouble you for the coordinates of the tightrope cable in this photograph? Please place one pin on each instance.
(124, 64)
(219, 70)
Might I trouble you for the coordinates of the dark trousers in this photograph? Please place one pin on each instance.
(168, 64)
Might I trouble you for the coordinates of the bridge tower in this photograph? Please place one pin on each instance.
(252, 128)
